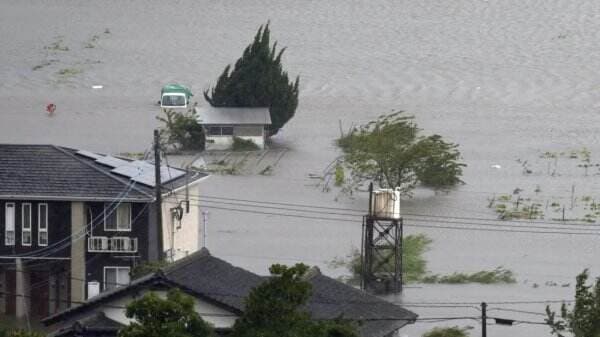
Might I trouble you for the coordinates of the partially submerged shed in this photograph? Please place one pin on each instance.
(222, 124)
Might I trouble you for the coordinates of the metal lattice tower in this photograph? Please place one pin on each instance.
(381, 253)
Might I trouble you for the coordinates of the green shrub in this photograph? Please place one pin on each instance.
(182, 130)
(339, 175)
(498, 275)
(240, 144)
(447, 332)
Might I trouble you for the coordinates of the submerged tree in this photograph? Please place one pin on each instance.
(181, 130)
(275, 309)
(447, 332)
(258, 80)
(583, 320)
(391, 152)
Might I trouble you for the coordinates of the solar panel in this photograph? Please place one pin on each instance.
(170, 173)
(166, 175)
(88, 154)
(146, 179)
(111, 161)
(133, 169)
(128, 171)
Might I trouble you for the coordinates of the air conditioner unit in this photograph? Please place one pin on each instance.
(385, 203)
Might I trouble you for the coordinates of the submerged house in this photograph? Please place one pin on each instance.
(219, 290)
(222, 125)
(74, 223)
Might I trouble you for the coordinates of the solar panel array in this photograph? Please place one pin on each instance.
(143, 172)
(111, 161)
(137, 170)
(89, 154)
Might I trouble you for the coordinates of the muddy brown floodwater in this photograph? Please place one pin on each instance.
(507, 80)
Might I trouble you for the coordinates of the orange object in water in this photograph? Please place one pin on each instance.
(50, 108)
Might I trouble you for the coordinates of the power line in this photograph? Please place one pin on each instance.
(508, 225)
(210, 197)
(518, 311)
(559, 231)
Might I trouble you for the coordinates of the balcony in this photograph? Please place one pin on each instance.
(115, 244)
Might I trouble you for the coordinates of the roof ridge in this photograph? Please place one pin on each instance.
(166, 270)
(60, 148)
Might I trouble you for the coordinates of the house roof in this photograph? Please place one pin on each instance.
(221, 283)
(97, 324)
(233, 116)
(48, 172)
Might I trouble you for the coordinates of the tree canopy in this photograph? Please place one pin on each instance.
(181, 130)
(258, 80)
(157, 317)
(274, 309)
(391, 152)
(583, 319)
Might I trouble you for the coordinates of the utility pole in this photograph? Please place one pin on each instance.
(204, 225)
(483, 320)
(158, 192)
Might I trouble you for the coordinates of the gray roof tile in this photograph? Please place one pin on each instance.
(57, 173)
(225, 284)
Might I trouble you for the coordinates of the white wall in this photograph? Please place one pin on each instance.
(187, 237)
(212, 314)
(225, 142)
(218, 142)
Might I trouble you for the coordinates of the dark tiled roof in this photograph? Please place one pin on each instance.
(224, 284)
(57, 173)
(219, 280)
(97, 322)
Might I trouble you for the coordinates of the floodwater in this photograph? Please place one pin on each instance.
(507, 80)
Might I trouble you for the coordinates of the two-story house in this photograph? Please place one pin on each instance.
(74, 223)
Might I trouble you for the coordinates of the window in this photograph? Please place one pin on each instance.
(115, 277)
(220, 131)
(42, 224)
(118, 219)
(173, 100)
(9, 224)
(227, 131)
(26, 224)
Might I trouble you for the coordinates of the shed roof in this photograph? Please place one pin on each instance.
(233, 116)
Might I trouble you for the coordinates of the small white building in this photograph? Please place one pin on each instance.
(221, 125)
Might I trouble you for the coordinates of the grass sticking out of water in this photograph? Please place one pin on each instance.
(448, 332)
(57, 46)
(498, 275)
(415, 266)
(68, 72)
(44, 64)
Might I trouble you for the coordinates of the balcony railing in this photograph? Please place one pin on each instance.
(115, 244)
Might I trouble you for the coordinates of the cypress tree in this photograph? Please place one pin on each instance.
(258, 80)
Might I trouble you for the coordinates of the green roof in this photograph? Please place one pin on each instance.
(176, 88)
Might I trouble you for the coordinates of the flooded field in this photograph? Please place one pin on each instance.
(515, 83)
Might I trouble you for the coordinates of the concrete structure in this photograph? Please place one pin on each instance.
(221, 125)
